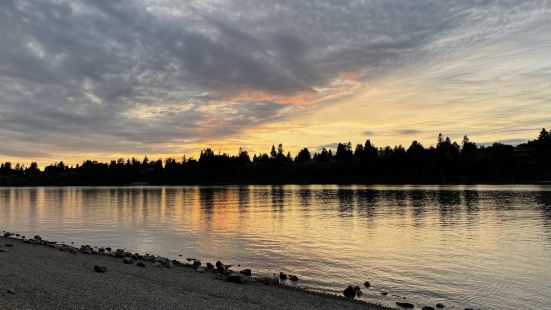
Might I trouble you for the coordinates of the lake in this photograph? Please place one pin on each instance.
(482, 246)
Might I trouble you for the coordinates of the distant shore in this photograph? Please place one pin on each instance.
(39, 274)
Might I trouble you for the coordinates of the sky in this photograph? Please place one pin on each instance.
(109, 79)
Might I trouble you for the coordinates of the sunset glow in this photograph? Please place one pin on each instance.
(84, 80)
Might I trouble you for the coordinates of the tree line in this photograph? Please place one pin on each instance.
(444, 163)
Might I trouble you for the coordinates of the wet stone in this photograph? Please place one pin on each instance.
(349, 292)
(246, 272)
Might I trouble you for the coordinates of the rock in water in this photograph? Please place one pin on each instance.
(359, 293)
(293, 278)
(282, 276)
(210, 266)
(246, 272)
(8, 245)
(141, 264)
(37, 237)
(367, 284)
(405, 305)
(128, 260)
(119, 253)
(440, 305)
(100, 269)
(196, 264)
(349, 292)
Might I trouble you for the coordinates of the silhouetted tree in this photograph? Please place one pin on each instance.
(444, 162)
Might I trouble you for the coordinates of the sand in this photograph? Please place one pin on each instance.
(40, 277)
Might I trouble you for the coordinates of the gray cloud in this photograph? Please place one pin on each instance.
(150, 76)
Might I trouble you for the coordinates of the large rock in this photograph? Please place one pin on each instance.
(293, 278)
(367, 284)
(37, 237)
(405, 305)
(349, 292)
(100, 269)
(141, 264)
(196, 264)
(440, 305)
(282, 276)
(128, 260)
(221, 268)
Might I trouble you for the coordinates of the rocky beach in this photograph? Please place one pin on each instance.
(41, 274)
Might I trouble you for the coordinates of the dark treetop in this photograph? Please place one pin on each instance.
(447, 162)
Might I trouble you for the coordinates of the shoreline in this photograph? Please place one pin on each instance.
(138, 185)
(41, 274)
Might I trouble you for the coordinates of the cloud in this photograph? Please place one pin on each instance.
(408, 131)
(84, 77)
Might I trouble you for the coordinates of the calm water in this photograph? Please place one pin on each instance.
(485, 247)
